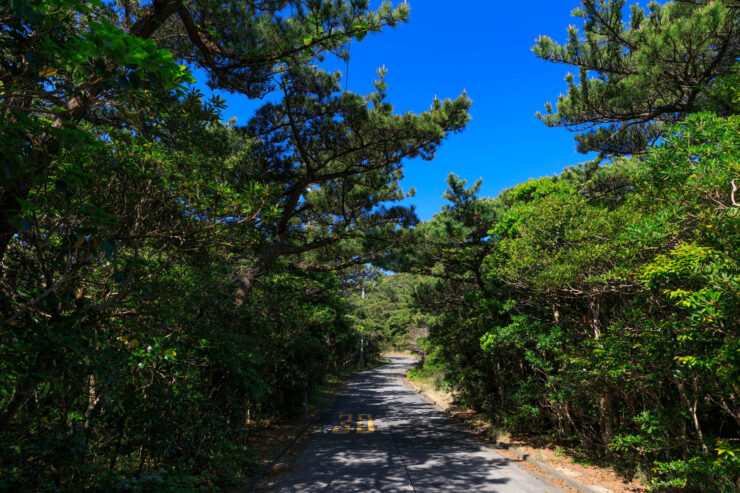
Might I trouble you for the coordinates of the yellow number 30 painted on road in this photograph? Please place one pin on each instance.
(364, 424)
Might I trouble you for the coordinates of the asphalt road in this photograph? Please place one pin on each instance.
(379, 436)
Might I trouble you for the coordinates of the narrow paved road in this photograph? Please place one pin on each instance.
(379, 436)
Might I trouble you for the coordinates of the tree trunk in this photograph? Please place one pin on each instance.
(595, 312)
(92, 402)
(692, 405)
(24, 388)
(607, 417)
(250, 274)
(731, 409)
(8, 208)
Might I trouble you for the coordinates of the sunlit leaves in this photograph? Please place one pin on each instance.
(634, 75)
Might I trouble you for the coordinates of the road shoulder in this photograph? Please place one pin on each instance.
(552, 464)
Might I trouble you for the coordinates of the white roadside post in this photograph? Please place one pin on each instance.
(362, 347)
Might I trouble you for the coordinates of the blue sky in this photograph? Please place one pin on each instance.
(483, 47)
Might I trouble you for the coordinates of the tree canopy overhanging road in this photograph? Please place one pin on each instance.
(174, 287)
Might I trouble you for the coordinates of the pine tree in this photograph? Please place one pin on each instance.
(335, 159)
(636, 75)
(68, 64)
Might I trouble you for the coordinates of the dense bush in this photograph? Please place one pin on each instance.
(601, 307)
(167, 279)
(609, 318)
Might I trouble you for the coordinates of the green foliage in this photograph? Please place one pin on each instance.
(607, 313)
(383, 308)
(167, 279)
(637, 74)
(334, 186)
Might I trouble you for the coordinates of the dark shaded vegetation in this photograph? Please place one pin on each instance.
(168, 279)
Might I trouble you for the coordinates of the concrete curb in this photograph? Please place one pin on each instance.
(310, 422)
(479, 432)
